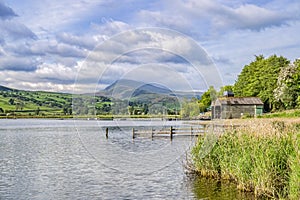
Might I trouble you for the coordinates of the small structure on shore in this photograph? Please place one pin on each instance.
(229, 107)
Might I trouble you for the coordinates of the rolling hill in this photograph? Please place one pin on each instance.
(117, 99)
(2, 88)
(130, 89)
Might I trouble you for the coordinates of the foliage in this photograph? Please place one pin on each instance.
(265, 164)
(38, 103)
(259, 78)
(224, 89)
(294, 182)
(287, 90)
(189, 108)
(208, 96)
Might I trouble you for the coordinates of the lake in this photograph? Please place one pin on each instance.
(72, 159)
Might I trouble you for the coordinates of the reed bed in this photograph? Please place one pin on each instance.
(260, 156)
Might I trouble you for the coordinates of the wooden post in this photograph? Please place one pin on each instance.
(191, 130)
(152, 132)
(133, 136)
(171, 133)
(106, 133)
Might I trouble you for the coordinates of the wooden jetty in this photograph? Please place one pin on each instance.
(152, 132)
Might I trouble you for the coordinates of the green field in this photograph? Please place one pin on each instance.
(19, 102)
(36, 104)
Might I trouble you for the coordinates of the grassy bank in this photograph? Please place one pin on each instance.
(263, 158)
(283, 114)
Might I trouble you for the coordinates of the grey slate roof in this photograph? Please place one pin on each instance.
(239, 101)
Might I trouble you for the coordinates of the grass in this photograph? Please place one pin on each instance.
(261, 158)
(282, 114)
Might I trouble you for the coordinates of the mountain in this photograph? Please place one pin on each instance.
(130, 89)
(127, 89)
(2, 88)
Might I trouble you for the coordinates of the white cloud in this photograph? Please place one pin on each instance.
(52, 39)
(243, 16)
(123, 56)
(54, 15)
(163, 19)
(110, 27)
(85, 41)
(56, 71)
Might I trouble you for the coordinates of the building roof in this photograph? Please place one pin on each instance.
(239, 101)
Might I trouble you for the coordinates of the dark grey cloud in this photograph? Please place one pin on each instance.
(45, 48)
(6, 12)
(13, 30)
(87, 42)
(55, 80)
(65, 50)
(17, 64)
(150, 55)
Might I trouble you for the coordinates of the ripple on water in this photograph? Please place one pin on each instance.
(45, 159)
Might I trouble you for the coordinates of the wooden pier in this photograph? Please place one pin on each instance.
(171, 132)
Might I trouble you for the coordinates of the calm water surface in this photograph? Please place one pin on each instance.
(72, 159)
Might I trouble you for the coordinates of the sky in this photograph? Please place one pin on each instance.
(85, 45)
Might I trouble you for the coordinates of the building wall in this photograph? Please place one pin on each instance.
(216, 112)
(237, 111)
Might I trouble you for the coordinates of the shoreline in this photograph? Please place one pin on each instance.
(259, 155)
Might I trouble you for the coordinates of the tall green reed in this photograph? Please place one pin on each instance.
(265, 162)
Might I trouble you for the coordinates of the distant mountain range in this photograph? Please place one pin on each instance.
(2, 88)
(119, 98)
(130, 89)
(136, 90)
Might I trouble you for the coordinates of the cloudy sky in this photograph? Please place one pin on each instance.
(50, 44)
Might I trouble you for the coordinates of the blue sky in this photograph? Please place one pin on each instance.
(45, 44)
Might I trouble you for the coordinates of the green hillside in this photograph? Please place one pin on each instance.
(26, 104)
(19, 102)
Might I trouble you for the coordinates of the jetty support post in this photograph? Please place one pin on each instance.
(152, 132)
(171, 132)
(133, 133)
(106, 133)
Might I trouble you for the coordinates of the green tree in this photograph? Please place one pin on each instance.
(70, 111)
(189, 108)
(296, 78)
(67, 109)
(11, 101)
(37, 111)
(208, 96)
(130, 110)
(224, 89)
(259, 78)
(286, 91)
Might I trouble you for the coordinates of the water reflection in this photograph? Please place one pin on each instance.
(45, 159)
(204, 188)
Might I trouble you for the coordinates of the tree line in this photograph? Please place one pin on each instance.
(275, 80)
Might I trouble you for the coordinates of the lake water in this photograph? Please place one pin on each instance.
(72, 159)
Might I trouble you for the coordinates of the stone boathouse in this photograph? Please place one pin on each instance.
(236, 107)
